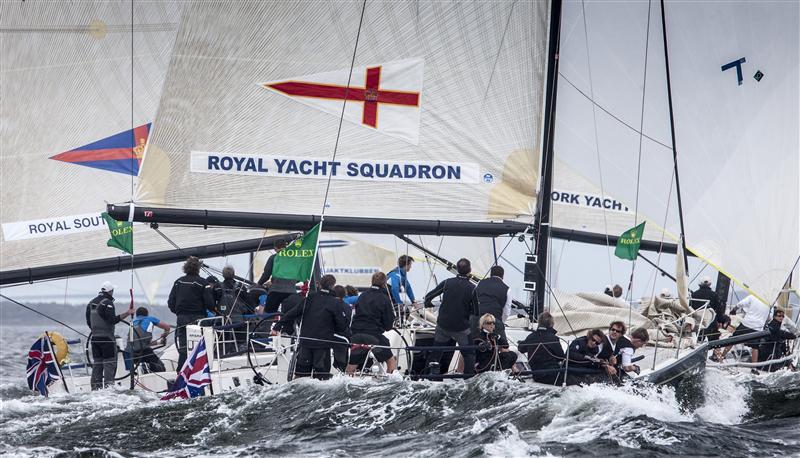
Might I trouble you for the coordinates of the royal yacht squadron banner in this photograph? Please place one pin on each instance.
(304, 167)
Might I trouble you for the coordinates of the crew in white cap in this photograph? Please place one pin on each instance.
(101, 318)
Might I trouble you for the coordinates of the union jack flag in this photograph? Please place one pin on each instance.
(194, 375)
(42, 368)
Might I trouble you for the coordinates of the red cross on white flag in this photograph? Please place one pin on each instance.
(385, 97)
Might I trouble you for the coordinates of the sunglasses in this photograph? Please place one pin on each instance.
(490, 322)
(597, 342)
(616, 330)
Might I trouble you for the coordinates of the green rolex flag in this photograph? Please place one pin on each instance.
(628, 243)
(121, 234)
(296, 260)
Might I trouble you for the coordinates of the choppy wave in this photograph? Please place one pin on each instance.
(739, 415)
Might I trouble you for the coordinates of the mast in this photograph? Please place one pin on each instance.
(672, 133)
(542, 221)
(120, 263)
(304, 222)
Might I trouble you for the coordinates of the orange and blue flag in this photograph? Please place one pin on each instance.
(121, 153)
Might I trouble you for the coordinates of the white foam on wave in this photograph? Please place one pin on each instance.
(584, 414)
(510, 443)
(726, 398)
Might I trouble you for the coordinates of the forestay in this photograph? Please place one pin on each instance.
(442, 119)
(73, 85)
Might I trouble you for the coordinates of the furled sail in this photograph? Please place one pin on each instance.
(442, 119)
(79, 93)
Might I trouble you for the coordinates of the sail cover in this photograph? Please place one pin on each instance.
(735, 82)
(79, 94)
(442, 118)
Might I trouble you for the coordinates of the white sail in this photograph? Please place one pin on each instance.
(737, 144)
(79, 94)
(738, 141)
(443, 118)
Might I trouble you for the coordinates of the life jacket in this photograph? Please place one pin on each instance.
(492, 294)
(100, 327)
(141, 339)
(228, 304)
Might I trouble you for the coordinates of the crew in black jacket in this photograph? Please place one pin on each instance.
(704, 294)
(373, 316)
(774, 346)
(101, 318)
(545, 354)
(189, 299)
(614, 344)
(322, 318)
(452, 324)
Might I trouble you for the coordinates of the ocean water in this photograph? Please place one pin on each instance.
(490, 415)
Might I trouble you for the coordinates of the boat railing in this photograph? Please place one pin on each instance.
(695, 334)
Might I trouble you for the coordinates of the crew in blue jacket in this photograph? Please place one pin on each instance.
(398, 280)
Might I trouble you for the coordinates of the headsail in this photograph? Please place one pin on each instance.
(80, 92)
(735, 142)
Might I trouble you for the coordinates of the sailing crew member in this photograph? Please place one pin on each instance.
(544, 351)
(775, 346)
(101, 318)
(341, 353)
(230, 297)
(373, 316)
(322, 320)
(279, 288)
(458, 304)
(756, 314)
(295, 300)
(639, 338)
(398, 280)
(705, 296)
(140, 345)
(615, 342)
(585, 352)
(493, 297)
(190, 299)
(493, 353)
(351, 295)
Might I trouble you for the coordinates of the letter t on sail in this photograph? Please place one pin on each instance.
(738, 64)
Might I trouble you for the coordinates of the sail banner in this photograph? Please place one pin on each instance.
(296, 261)
(321, 168)
(121, 234)
(400, 127)
(628, 243)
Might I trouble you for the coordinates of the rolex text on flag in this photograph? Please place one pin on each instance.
(628, 243)
(296, 261)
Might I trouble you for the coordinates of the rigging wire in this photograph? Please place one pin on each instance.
(596, 139)
(629, 294)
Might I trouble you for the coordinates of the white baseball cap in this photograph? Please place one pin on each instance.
(107, 287)
(705, 280)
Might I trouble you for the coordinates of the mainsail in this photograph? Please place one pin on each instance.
(442, 116)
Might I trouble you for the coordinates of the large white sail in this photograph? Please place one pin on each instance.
(443, 117)
(79, 94)
(737, 143)
(737, 135)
